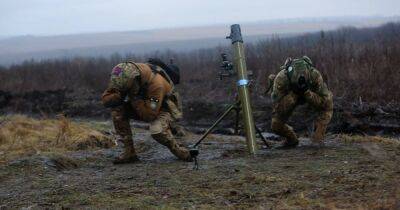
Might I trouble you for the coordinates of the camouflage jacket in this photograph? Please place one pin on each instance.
(147, 92)
(281, 85)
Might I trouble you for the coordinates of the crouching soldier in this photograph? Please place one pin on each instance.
(173, 72)
(143, 92)
(297, 83)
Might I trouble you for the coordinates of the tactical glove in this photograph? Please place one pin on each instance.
(302, 84)
(112, 98)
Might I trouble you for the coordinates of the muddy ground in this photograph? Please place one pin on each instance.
(349, 172)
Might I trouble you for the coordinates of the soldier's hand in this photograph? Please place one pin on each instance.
(302, 85)
(300, 90)
(308, 94)
(270, 83)
(112, 98)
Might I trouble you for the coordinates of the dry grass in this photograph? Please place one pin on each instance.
(21, 135)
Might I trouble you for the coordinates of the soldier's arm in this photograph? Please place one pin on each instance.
(148, 109)
(112, 98)
(280, 87)
(318, 91)
(270, 83)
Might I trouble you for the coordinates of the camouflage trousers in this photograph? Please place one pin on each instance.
(160, 130)
(177, 129)
(283, 109)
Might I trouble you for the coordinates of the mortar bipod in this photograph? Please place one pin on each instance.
(236, 107)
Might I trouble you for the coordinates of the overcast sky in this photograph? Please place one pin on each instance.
(49, 17)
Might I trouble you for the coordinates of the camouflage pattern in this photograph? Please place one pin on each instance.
(160, 131)
(286, 98)
(148, 99)
(120, 116)
(177, 113)
(123, 75)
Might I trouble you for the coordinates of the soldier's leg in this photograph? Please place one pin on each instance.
(176, 107)
(280, 114)
(161, 132)
(279, 127)
(323, 119)
(120, 116)
(178, 130)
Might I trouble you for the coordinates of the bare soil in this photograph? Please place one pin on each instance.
(349, 172)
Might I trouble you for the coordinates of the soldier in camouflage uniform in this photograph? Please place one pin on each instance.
(297, 83)
(150, 98)
(177, 129)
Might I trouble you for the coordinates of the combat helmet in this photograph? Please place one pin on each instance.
(123, 76)
(299, 71)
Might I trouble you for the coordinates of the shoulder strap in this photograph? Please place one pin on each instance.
(161, 71)
(155, 70)
(133, 63)
(145, 85)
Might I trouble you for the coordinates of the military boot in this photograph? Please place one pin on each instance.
(128, 154)
(290, 142)
(286, 131)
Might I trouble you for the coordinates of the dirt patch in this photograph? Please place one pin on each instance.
(47, 160)
(61, 162)
(349, 172)
(230, 153)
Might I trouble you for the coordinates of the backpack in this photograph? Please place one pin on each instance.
(170, 72)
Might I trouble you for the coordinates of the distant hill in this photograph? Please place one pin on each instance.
(18, 49)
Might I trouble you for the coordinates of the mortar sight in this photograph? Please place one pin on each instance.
(226, 67)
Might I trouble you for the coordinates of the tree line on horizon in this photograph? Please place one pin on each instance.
(356, 64)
